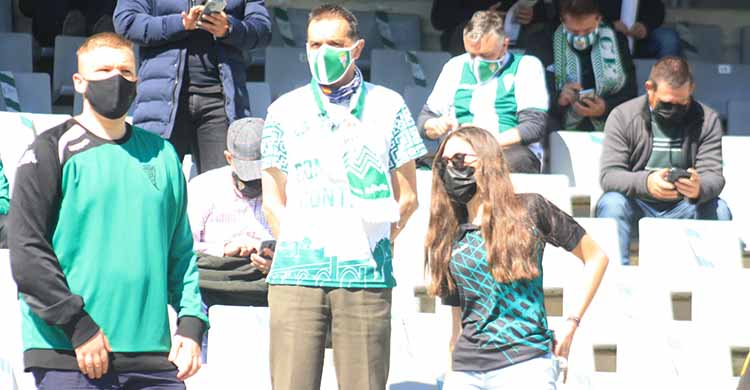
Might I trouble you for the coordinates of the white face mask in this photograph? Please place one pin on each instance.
(329, 64)
(484, 70)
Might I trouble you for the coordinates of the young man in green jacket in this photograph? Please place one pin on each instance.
(100, 243)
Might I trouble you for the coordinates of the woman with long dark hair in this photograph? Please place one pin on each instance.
(484, 247)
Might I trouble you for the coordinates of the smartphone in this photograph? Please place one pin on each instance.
(214, 6)
(586, 94)
(677, 174)
(268, 244)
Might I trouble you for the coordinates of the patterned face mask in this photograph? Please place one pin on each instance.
(582, 42)
(485, 70)
(328, 64)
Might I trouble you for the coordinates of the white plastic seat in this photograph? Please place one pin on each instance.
(736, 160)
(17, 52)
(65, 65)
(391, 70)
(34, 92)
(576, 154)
(681, 243)
(260, 98)
(238, 345)
(286, 69)
(553, 187)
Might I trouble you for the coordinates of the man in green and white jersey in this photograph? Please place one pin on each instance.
(339, 183)
(491, 88)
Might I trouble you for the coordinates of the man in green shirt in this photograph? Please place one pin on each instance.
(100, 243)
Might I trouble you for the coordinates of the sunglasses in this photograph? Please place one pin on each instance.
(458, 160)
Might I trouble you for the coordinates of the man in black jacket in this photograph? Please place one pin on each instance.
(661, 156)
(653, 40)
(450, 17)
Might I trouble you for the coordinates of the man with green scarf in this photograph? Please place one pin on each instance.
(339, 183)
(593, 69)
(491, 88)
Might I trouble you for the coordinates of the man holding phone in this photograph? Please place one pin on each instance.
(230, 233)
(661, 156)
(491, 88)
(593, 69)
(192, 80)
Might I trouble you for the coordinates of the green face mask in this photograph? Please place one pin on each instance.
(328, 64)
(485, 70)
(582, 42)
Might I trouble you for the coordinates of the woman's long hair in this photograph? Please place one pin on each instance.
(506, 227)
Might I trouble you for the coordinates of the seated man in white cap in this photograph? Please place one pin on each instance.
(229, 228)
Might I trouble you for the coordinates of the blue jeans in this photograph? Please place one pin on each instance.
(133, 380)
(627, 211)
(661, 42)
(538, 374)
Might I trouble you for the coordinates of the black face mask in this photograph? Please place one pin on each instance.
(249, 189)
(111, 97)
(460, 184)
(670, 114)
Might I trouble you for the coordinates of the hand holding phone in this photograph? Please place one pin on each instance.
(586, 94)
(214, 6)
(677, 174)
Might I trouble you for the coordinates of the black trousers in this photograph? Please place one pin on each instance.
(521, 159)
(3, 232)
(200, 129)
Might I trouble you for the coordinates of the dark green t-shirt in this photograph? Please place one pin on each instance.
(666, 151)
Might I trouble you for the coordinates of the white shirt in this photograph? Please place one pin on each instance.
(219, 213)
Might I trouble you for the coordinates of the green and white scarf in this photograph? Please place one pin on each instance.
(9, 92)
(366, 173)
(609, 74)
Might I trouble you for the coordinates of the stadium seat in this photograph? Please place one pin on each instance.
(260, 99)
(238, 343)
(576, 155)
(553, 187)
(16, 137)
(736, 162)
(65, 65)
(405, 31)
(297, 22)
(419, 349)
(562, 268)
(12, 351)
(642, 71)
(415, 98)
(409, 249)
(34, 92)
(715, 84)
(286, 69)
(6, 15)
(738, 119)
(670, 244)
(701, 42)
(745, 44)
(391, 69)
(17, 52)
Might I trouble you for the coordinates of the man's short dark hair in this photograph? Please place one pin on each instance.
(674, 71)
(578, 8)
(327, 11)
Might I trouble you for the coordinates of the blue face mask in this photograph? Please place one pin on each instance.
(582, 42)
